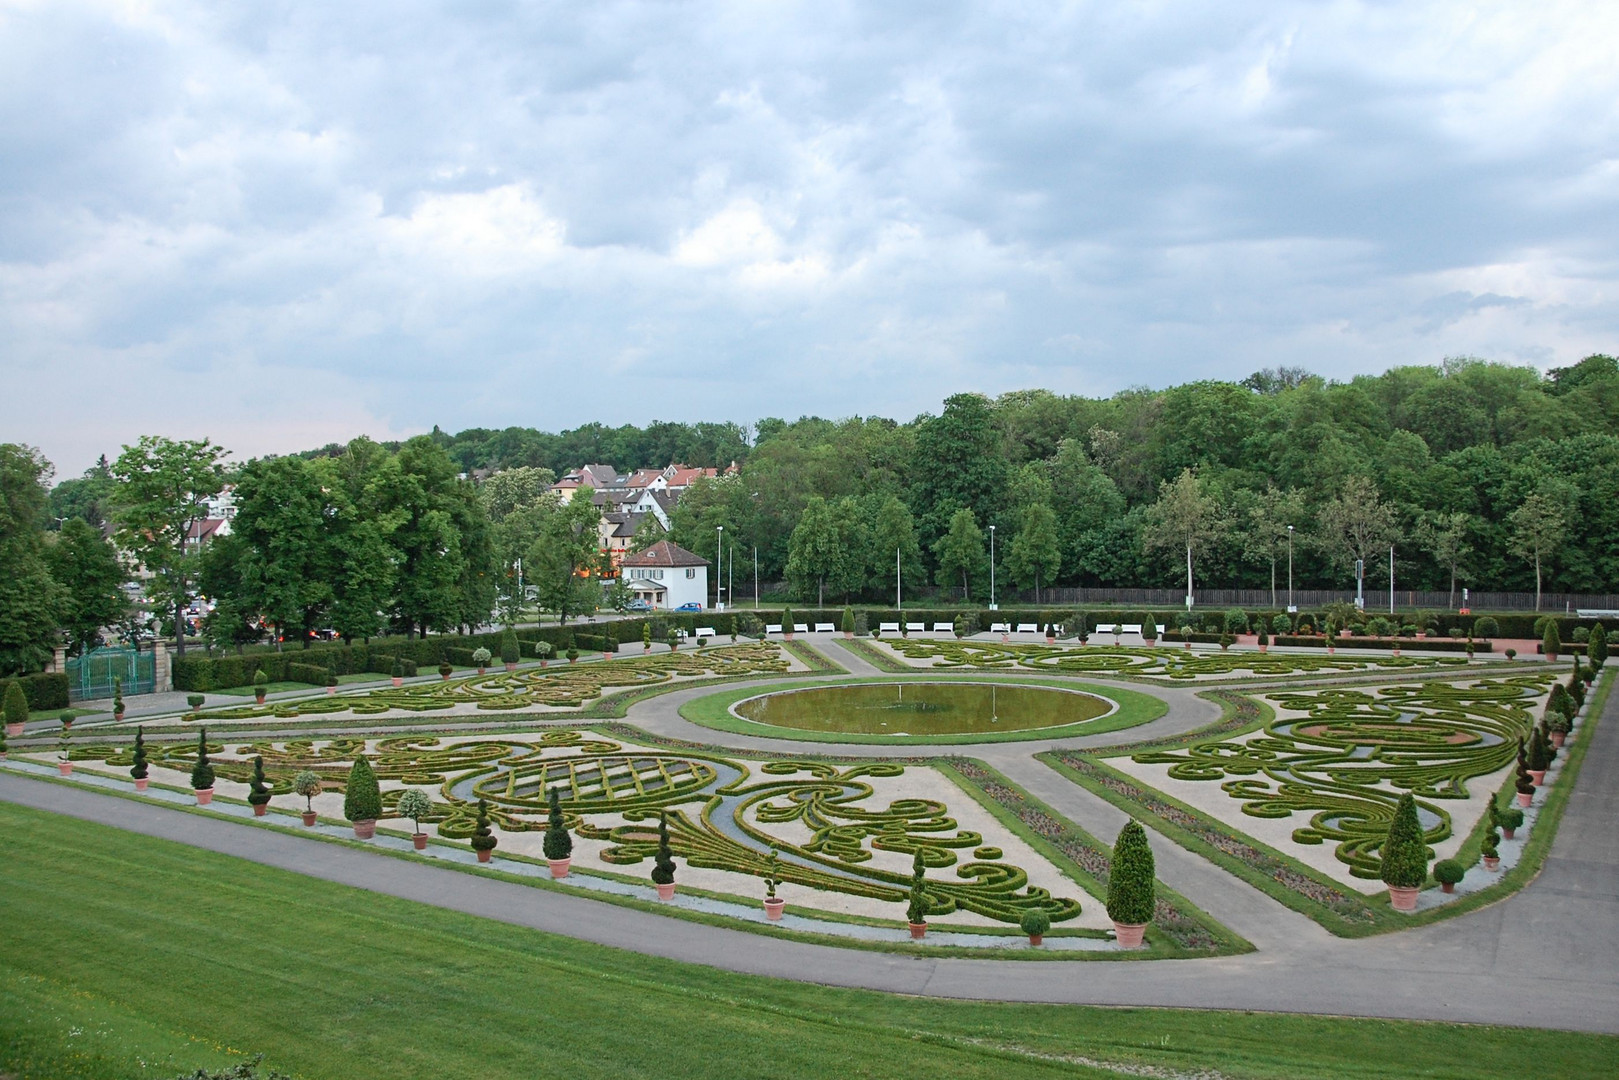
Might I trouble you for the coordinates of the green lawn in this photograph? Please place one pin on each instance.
(122, 956)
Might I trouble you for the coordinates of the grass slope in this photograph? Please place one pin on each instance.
(124, 956)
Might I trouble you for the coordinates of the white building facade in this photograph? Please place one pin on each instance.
(666, 576)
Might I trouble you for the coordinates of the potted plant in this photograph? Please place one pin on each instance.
(138, 769)
(787, 624)
(1550, 643)
(1596, 650)
(15, 708)
(1405, 856)
(202, 773)
(1225, 641)
(663, 868)
(1035, 923)
(916, 900)
(543, 650)
(1558, 727)
(646, 637)
(1511, 820)
(362, 800)
(258, 792)
(3, 747)
(1131, 888)
(573, 655)
(445, 671)
(483, 837)
(1262, 635)
(1524, 783)
(481, 657)
(261, 686)
(1489, 850)
(308, 785)
(415, 805)
(64, 751)
(1512, 654)
(1051, 633)
(1149, 630)
(1448, 872)
(773, 903)
(1539, 757)
(1331, 632)
(558, 844)
(510, 651)
(848, 621)
(117, 700)
(331, 675)
(195, 702)
(397, 673)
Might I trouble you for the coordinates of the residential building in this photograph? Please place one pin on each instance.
(666, 576)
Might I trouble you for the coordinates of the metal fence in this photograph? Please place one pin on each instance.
(98, 673)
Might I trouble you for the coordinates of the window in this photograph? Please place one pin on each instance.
(690, 574)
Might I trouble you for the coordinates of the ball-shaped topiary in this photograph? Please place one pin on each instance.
(16, 703)
(1509, 817)
(1405, 854)
(362, 799)
(558, 844)
(663, 863)
(258, 793)
(202, 773)
(481, 657)
(138, 769)
(415, 805)
(510, 651)
(1448, 871)
(1486, 627)
(307, 783)
(1131, 888)
(1035, 922)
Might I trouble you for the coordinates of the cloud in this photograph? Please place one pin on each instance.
(285, 225)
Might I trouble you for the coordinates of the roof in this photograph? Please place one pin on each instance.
(665, 553)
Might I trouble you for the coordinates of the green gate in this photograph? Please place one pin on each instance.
(97, 673)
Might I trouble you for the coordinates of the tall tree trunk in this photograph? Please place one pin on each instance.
(1537, 581)
(1273, 581)
(1452, 585)
(179, 630)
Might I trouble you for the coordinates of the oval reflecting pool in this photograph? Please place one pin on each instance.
(923, 708)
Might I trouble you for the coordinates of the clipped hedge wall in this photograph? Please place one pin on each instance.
(1316, 641)
(43, 691)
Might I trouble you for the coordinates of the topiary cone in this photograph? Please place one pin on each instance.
(1405, 856)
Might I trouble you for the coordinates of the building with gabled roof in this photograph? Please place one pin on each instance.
(666, 576)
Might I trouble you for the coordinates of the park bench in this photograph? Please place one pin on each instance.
(773, 628)
(944, 628)
(824, 628)
(800, 628)
(1108, 628)
(916, 628)
(1132, 628)
(1028, 628)
(1000, 628)
(889, 627)
(705, 631)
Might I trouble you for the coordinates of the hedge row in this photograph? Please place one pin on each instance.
(1316, 641)
(44, 691)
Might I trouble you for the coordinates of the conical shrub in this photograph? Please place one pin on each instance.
(1405, 854)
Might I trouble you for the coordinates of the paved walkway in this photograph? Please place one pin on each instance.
(1546, 957)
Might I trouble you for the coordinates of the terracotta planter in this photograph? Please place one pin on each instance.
(67, 725)
(1492, 863)
(1332, 650)
(331, 689)
(1396, 650)
(65, 768)
(1537, 776)
(544, 662)
(666, 892)
(773, 907)
(1403, 899)
(1265, 647)
(365, 830)
(787, 635)
(1035, 939)
(13, 730)
(1557, 739)
(1525, 798)
(443, 676)
(511, 667)
(560, 867)
(918, 930)
(1005, 638)
(480, 671)
(205, 796)
(397, 682)
(259, 809)
(258, 699)
(419, 841)
(1188, 646)
(1053, 641)
(483, 856)
(1508, 833)
(309, 818)
(141, 782)
(1128, 935)
(848, 635)
(1447, 886)
(119, 715)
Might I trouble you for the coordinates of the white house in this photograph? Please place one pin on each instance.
(666, 576)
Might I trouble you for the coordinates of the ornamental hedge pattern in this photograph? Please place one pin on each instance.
(1347, 761)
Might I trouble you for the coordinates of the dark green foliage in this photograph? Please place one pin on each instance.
(1521, 781)
(848, 620)
(1560, 701)
(1131, 885)
(44, 691)
(362, 799)
(1509, 817)
(1486, 627)
(1236, 621)
(510, 651)
(1597, 649)
(1448, 871)
(1539, 758)
(772, 873)
(138, 769)
(16, 705)
(483, 837)
(663, 869)
(1405, 854)
(1035, 922)
(558, 844)
(398, 668)
(916, 899)
(1550, 643)
(260, 680)
(258, 791)
(787, 620)
(202, 773)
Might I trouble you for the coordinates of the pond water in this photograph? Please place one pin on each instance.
(923, 708)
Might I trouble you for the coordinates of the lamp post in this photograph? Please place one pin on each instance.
(992, 606)
(719, 556)
(1391, 579)
(1291, 607)
(755, 577)
(899, 596)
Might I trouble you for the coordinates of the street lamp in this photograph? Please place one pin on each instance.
(719, 556)
(1291, 606)
(992, 606)
(1391, 579)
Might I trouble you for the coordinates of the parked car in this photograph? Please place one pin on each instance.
(692, 606)
(638, 605)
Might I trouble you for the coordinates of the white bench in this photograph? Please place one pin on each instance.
(944, 628)
(916, 628)
(705, 631)
(773, 628)
(1000, 628)
(889, 627)
(1028, 628)
(800, 628)
(1107, 628)
(1132, 628)
(824, 628)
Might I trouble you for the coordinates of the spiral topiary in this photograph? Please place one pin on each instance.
(139, 770)
(1131, 888)
(202, 773)
(362, 800)
(916, 905)
(258, 792)
(483, 837)
(1405, 854)
(558, 844)
(663, 869)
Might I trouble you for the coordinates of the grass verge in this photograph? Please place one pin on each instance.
(172, 958)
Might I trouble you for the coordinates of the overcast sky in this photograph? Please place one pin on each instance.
(282, 224)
